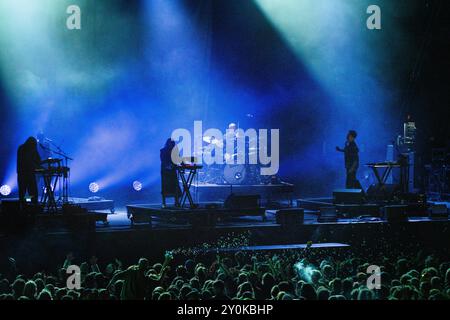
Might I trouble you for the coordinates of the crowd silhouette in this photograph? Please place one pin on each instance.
(287, 275)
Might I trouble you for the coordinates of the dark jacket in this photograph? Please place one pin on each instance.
(351, 155)
(28, 159)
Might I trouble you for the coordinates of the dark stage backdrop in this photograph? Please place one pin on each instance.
(110, 93)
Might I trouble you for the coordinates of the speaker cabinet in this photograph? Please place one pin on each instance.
(396, 214)
(348, 196)
(290, 217)
(327, 214)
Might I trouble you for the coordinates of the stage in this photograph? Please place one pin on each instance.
(43, 241)
(205, 192)
(120, 221)
(152, 217)
(276, 150)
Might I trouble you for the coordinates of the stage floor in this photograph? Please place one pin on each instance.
(117, 219)
(120, 221)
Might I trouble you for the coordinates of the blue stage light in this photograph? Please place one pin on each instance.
(137, 185)
(5, 190)
(94, 187)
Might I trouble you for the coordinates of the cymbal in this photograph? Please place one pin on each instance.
(213, 140)
(207, 139)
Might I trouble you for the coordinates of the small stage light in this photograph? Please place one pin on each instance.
(94, 187)
(5, 190)
(137, 185)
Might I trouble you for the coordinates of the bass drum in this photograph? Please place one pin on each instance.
(235, 174)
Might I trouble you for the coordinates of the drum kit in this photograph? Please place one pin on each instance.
(229, 172)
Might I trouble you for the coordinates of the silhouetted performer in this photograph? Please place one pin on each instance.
(169, 178)
(28, 160)
(351, 155)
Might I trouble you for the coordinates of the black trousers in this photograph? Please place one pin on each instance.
(351, 182)
(27, 183)
(170, 186)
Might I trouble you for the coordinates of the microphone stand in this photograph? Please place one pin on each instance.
(66, 177)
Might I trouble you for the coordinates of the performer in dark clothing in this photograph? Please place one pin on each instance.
(169, 179)
(351, 156)
(28, 160)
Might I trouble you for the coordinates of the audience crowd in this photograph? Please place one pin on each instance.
(288, 275)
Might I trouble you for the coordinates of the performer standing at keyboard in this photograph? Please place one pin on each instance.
(169, 179)
(351, 156)
(28, 160)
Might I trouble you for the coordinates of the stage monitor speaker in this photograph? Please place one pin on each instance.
(290, 216)
(396, 213)
(438, 211)
(238, 202)
(327, 214)
(348, 196)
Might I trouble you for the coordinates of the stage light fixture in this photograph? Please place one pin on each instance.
(5, 190)
(137, 185)
(94, 187)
